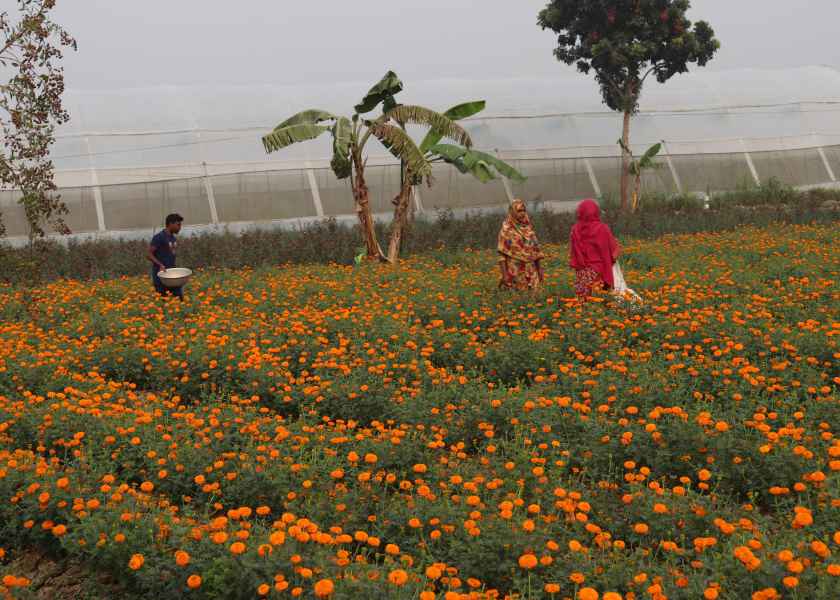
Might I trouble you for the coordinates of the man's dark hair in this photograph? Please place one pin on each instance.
(174, 218)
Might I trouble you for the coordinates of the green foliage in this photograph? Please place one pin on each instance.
(456, 113)
(32, 86)
(383, 92)
(398, 143)
(479, 164)
(342, 141)
(438, 123)
(330, 242)
(624, 41)
(307, 117)
(293, 134)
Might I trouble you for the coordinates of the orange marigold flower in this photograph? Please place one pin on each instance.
(433, 572)
(528, 561)
(324, 588)
(194, 582)
(398, 577)
(587, 593)
(136, 561)
(237, 548)
(182, 558)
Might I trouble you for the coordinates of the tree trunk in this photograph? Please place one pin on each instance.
(360, 195)
(625, 163)
(403, 203)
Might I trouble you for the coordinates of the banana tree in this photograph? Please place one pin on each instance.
(351, 135)
(480, 165)
(636, 168)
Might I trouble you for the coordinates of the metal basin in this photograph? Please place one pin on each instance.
(174, 277)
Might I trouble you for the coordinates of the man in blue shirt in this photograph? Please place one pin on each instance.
(161, 253)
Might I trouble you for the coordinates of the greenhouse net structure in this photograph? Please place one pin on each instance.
(127, 158)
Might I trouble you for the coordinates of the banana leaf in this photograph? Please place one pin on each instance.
(465, 110)
(448, 152)
(342, 138)
(479, 164)
(388, 87)
(280, 138)
(647, 159)
(312, 116)
(457, 112)
(501, 166)
(402, 147)
(426, 117)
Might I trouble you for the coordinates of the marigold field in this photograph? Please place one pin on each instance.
(415, 433)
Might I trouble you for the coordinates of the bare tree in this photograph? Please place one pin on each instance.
(31, 49)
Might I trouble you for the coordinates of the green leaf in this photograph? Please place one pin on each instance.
(419, 115)
(312, 116)
(481, 171)
(460, 111)
(647, 159)
(280, 138)
(448, 152)
(480, 164)
(388, 87)
(499, 165)
(402, 147)
(342, 138)
(465, 110)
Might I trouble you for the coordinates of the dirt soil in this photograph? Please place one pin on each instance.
(60, 580)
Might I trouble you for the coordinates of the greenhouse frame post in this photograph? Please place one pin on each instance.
(211, 196)
(592, 179)
(826, 164)
(418, 202)
(505, 182)
(97, 191)
(316, 193)
(750, 164)
(671, 167)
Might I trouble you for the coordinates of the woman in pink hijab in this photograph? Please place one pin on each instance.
(593, 250)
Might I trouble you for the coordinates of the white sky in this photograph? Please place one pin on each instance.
(130, 43)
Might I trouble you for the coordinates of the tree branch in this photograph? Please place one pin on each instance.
(655, 67)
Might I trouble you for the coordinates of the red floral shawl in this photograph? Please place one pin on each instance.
(517, 238)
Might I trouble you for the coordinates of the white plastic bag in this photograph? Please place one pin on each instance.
(620, 288)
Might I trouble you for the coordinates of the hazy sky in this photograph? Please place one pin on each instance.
(126, 43)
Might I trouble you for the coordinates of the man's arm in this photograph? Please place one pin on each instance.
(150, 255)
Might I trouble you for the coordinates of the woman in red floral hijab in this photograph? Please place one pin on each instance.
(519, 251)
(593, 250)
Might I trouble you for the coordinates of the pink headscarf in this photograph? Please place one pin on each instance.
(592, 244)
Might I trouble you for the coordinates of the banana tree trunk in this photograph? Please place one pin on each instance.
(360, 195)
(637, 192)
(402, 202)
(625, 162)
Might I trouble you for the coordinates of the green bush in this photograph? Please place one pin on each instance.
(328, 241)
